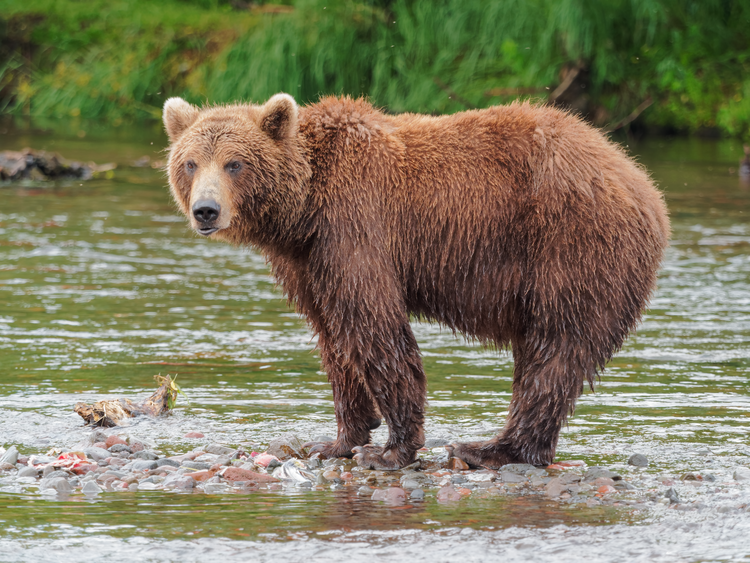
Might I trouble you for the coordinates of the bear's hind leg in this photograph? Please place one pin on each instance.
(547, 380)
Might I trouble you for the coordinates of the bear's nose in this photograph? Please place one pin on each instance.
(206, 210)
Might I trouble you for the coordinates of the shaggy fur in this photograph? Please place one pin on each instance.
(518, 225)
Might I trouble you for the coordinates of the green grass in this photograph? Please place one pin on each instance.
(121, 59)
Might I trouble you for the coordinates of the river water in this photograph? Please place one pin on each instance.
(102, 285)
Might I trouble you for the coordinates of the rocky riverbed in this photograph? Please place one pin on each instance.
(116, 463)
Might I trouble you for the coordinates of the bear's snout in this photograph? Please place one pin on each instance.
(206, 212)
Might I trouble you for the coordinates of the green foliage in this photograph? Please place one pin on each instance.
(122, 58)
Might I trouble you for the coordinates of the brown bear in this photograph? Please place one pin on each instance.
(516, 225)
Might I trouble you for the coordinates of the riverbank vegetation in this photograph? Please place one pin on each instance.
(655, 65)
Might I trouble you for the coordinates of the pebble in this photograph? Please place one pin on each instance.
(143, 465)
(165, 461)
(10, 456)
(91, 488)
(194, 435)
(638, 460)
(286, 447)
(671, 496)
(391, 495)
(364, 491)
(200, 465)
(112, 440)
(456, 464)
(741, 474)
(119, 448)
(417, 494)
(594, 473)
(448, 494)
(97, 454)
(218, 449)
(145, 454)
(28, 471)
(7, 466)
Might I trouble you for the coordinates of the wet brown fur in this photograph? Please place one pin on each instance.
(516, 225)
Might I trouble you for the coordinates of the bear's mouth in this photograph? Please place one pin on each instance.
(205, 231)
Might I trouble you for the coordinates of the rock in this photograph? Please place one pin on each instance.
(28, 471)
(638, 460)
(143, 465)
(741, 474)
(482, 477)
(145, 454)
(200, 465)
(194, 435)
(346, 476)
(202, 475)
(603, 481)
(133, 487)
(417, 494)
(331, 475)
(518, 468)
(59, 484)
(56, 473)
(594, 473)
(218, 449)
(410, 484)
(365, 491)
(508, 477)
(91, 488)
(119, 448)
(456, 479)
(264, 460)
(436, 443)
(392, 495)
(456, 464)
(10, 456)
(137, 446)
(448, 494)
(112, 440)
(286, 447)
(7, 466)
(672, 496)
(568, 478)
(167, 462)
(234, 474)
(97, 454)
(606, 489)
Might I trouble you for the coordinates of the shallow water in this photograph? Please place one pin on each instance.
(102, 285)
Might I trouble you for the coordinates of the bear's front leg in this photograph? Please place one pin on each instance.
(367, 335)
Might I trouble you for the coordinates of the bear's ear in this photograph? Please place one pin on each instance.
(178, 115)
(278, 118)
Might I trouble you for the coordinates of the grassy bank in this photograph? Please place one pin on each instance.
(653, 64)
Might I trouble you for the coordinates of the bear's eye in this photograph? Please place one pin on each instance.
(234, 166)
(190, 165)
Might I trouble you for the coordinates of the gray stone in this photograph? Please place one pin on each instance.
(594, 473)
(510, 477)
(119, 448)
(57, 473)
(118, 474)
(286, 447)
(155, 479)
(223, 460)
(143, 465)
(517, 468)
(133, 487)
(671, 494)
(741, 474)
(436, 443)
(59, 484)
(455, 479)
(10, 456)
(365, 491)
(168, 462)
(417, 494)
(409, 484)
(28, 471)
(199, 465)
(97, 454)
(639, 460)
(709, 477)
(218, 449)
(91, 488)
(145, 454)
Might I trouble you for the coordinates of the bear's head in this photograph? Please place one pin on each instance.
(238, 170)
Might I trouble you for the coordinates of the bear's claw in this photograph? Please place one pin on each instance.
(376, 457)
(483, 454)
(328, 450)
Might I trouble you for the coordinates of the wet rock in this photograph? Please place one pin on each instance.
(97, 454)
(137, 446)
(391, 495)
(201, 476)
(436, 443)
(165, 461)
(410, 484)
(7, 466)
(143, 465)
(365, 491)
(285, 447)
(456, 464)
(555, 488)
(145, 454)
(709, 477)
(638, 460)
(517, 468)
(120, 448)
(42, 165)
(456, 479)
(568, 478)
(448, 494)
(234, 474)
(112, 440)
(671, 495)
(417, 494)
(58, 484)
(331, 475)
(194, 435)
(294, 471)
(91, 488)
(509, 477)
(594, 473)
(218, 449)
(56, 473)
(264, 460)
(10, 456)
(741, 474)
(199, 465)
(28, 472)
